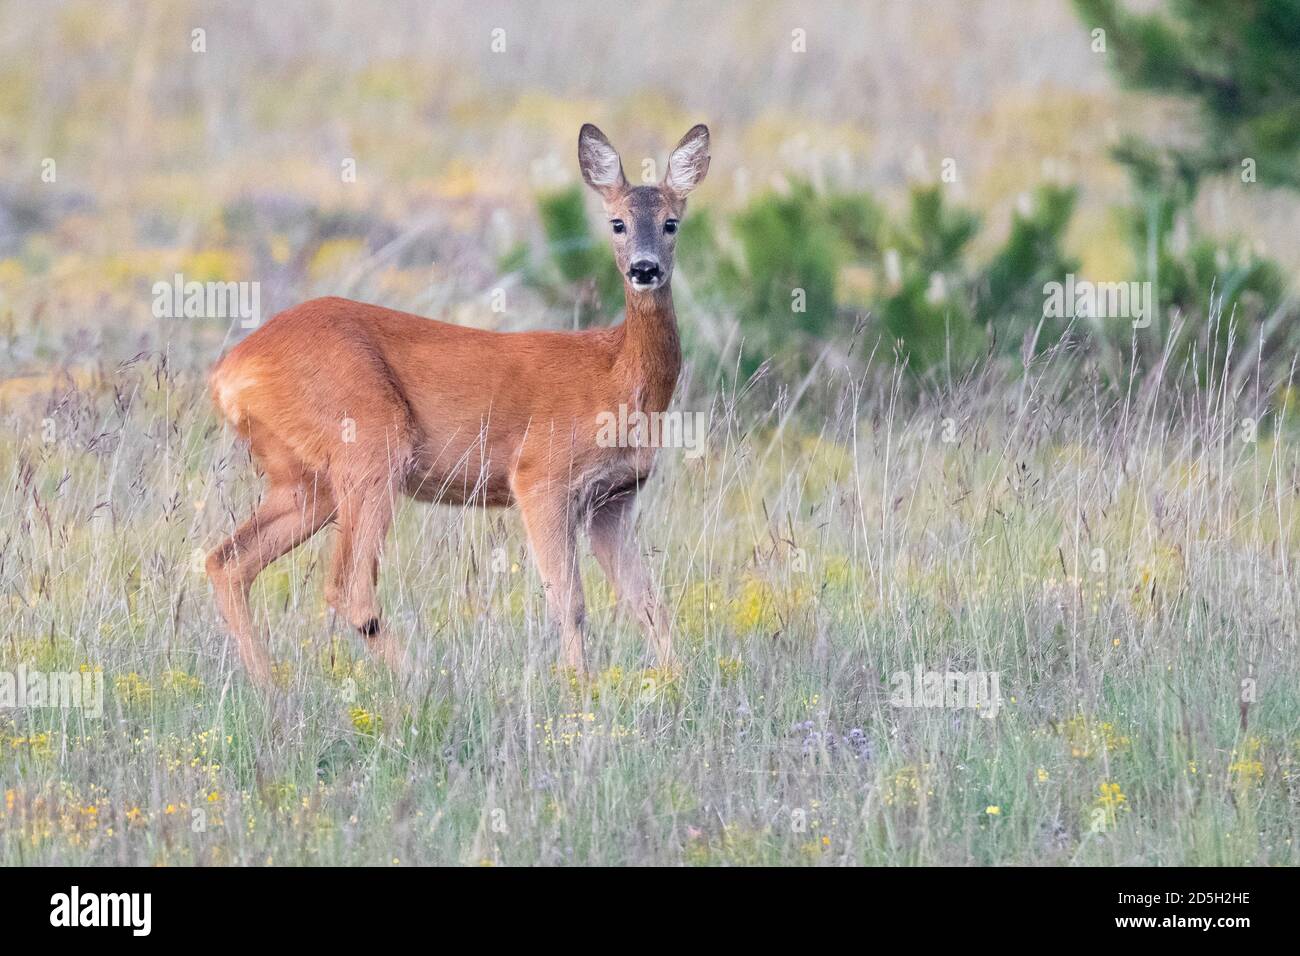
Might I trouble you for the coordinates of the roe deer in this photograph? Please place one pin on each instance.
(447, 413)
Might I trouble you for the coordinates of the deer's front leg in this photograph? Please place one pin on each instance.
(615, 547)
(551, 524)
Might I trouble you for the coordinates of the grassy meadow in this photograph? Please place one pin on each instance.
(1120, 560)
(1114, 540)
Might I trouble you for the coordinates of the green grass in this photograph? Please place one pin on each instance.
(1122, 561)
(805, 564)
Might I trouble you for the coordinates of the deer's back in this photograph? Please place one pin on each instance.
(468, 406)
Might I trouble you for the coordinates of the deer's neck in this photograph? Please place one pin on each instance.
(650, 355)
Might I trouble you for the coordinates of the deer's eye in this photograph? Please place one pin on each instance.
(618, 226)
(670, 226)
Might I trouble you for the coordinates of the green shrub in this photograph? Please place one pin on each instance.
(1223, 295)
(925, 307)
(585, 274)
(1010, 289)
(791, 259)
(714, 277)
(791, 248)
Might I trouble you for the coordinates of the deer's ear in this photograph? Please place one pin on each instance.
(689, 161)
(599, 162)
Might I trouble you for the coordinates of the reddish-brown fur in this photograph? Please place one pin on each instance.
(345, 405)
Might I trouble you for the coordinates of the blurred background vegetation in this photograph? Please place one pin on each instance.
(882, 181)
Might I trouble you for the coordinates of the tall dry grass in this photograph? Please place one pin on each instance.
(1119, 555)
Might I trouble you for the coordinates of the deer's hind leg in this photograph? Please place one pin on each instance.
(365, 487)
(297, 504)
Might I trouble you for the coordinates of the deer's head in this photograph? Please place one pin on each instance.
(643, 219)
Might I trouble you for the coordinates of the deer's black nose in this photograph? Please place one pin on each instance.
(643, 271)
